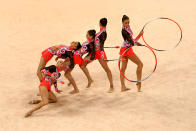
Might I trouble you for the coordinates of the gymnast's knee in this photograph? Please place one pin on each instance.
(108, 71)
(66, 75)
(140, 65)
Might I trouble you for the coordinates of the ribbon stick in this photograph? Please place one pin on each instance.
(113, 47)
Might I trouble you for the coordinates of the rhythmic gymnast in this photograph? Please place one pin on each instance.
(129, 55)
(100, 54)
(87, 47)
(61, 53)
(50, 76)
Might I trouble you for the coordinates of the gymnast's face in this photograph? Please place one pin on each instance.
(100, 25)
(88, 36)
(126, 23)
(60, 64)
(74, 44)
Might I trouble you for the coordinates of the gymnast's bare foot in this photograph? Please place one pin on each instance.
(123, 89)
(34, 101)
(111, 89)
(89, 83)
(74, 92)
(28, 114)
(139, 85)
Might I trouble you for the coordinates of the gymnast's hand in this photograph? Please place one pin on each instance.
(59, 91)
(138, 44)
(141, 33)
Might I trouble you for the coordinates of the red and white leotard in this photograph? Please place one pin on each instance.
(87, 47)
(48, 72)
(128, 41)
(99, 44)
(62, 52)
(128, 37)
(47, 54)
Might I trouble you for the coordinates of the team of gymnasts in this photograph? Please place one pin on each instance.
(72, 55)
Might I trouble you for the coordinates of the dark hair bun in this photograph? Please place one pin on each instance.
(78, 45)
(92, 33)
(124, 18)
(103, 21)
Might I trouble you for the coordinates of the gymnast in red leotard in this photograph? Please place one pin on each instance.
(69, 67)
(129, 55)
(87, 47)
(100, 54)
(50, 76)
